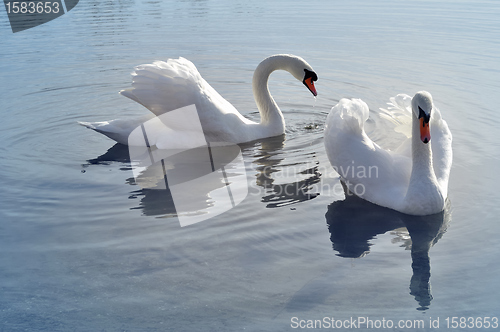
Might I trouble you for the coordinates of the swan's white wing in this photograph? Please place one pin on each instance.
(442, 155)
(398, 113)
(165, 86)
(377, 175)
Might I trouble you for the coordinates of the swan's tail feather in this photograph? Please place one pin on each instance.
(109, 129)
(89, 125)
(117, 130)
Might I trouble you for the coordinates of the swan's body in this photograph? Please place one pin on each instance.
(412, 179)
(165, 86)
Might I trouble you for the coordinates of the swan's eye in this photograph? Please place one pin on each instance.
(310, 74)
(423, 115)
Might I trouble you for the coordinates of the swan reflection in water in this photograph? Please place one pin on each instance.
(283, 176)
(278, 180)
(152, 202)
(198, 183)
(353, 222)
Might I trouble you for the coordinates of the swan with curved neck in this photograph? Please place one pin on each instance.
(165, 86)
(412, 179)
(271, 115)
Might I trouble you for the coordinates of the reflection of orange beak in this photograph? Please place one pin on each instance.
(425, 133)
(310, 85)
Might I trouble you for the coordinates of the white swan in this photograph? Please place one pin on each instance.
(165, 86)
(414, 178)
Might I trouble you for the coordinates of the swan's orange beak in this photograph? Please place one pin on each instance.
(310, 85)
(425, 133)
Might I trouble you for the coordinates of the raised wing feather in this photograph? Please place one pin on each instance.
(398, 112)
(165, 86)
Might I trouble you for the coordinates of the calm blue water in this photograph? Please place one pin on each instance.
(83, 248)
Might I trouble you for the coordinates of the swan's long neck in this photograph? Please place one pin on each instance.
(423, 187)
(270, 113)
